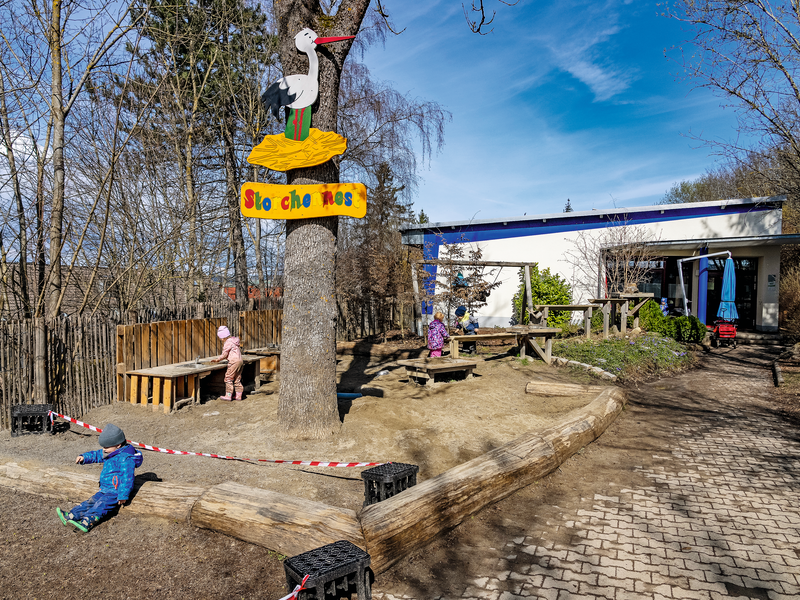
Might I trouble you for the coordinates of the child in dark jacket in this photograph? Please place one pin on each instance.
(116, 480)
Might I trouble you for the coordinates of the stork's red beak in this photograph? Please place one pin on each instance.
(326, 40)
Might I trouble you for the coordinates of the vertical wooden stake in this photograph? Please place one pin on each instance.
(134, 389)
(143, 389)
(623, 317)
(157, 382)
(587, 323)
(528, 295)
(169, 394)
(417, 303)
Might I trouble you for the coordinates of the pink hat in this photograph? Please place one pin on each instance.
(223, 332)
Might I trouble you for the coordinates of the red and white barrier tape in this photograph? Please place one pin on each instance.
(297, 588)
(308, 463)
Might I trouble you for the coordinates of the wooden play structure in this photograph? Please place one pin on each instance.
(543, 312)
(524, 338)
(625, 304)
(162, 364)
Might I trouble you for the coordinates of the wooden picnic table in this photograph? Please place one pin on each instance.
(178, 384)
(522, 336)
(427, 368)
(586, 309)
(609, 306)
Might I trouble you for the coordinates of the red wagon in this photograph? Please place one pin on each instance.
(724, 333)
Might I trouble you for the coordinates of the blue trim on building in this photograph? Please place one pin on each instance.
(483, 232)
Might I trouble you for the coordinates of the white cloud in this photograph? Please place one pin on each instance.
(576, 38)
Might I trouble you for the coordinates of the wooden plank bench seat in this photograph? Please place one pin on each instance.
(427, 368)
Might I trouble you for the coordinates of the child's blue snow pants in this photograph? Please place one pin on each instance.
(96, 507)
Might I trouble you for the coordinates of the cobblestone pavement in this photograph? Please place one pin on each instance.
(716, 514)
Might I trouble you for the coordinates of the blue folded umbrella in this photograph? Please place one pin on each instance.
(727, 306)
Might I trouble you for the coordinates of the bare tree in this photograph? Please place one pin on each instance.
(613, 259)
(459, 278)
(748, 53)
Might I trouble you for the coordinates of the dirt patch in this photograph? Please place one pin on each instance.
(126, 557)
(436, 427)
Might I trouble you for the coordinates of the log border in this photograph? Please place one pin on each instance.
(389, 530)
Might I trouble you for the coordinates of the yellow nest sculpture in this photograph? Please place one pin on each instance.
(279, 153)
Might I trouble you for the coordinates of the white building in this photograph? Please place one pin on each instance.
(749, 228)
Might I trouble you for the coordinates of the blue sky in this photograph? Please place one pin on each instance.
(565, 99)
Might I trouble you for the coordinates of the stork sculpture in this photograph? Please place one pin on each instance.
(299, 92)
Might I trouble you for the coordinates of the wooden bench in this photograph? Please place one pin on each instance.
(586, 309)
(427, 368)
(178, 384)
(523, 337)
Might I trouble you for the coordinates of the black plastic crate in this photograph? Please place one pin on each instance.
(30, 418)
(385, 481)
(334, 571)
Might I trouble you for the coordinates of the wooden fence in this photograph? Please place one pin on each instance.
(87, 357)
(148, 345)
(80, 365)
(260, 328)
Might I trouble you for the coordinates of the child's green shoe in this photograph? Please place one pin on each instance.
(82, 525)
(62, 516)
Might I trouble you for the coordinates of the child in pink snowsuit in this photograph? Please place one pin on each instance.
(233, 352)
(436, 334)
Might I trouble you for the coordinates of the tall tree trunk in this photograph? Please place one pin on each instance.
(234, 212)
(57, 205)
(308, 405)
(22, 223)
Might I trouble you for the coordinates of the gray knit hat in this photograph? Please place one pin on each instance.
(111, 436)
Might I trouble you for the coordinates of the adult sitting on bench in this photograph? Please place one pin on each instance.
(468, 324)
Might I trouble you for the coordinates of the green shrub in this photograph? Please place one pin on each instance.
(546, 288)
(683, 329)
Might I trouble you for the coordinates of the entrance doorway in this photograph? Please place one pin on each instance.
(746, 279)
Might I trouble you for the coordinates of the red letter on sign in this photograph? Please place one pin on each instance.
(248, 198)
(285, 203)
(327, 198)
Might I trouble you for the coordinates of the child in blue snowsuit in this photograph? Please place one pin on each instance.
(116, 480)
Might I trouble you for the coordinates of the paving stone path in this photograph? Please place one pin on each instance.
(718, 516)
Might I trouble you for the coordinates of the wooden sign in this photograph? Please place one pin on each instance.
(273, 201)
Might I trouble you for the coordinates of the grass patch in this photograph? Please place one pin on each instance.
(628, 359)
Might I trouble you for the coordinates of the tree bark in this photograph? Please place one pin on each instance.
(308, 405)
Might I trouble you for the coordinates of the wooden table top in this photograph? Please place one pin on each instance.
(535, 331)
(433, 364)
(188, 368)
(564, 306)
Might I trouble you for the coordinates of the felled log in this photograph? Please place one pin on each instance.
(276, 521)
(549, 388)
(409, 520)
(169, 500)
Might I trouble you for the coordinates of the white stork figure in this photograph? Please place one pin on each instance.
(298, 92)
